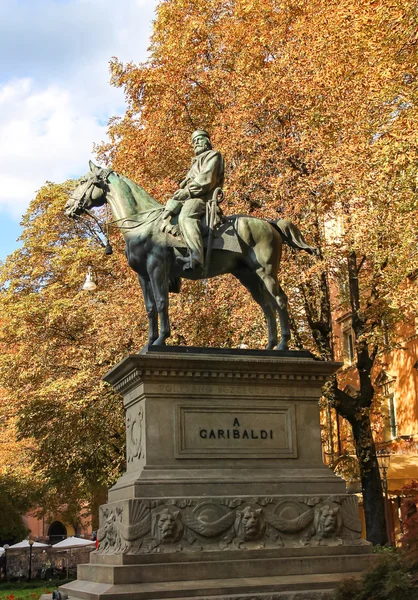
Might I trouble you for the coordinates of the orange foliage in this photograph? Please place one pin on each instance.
(314, 105)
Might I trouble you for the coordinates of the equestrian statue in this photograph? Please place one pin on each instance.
(190, 238)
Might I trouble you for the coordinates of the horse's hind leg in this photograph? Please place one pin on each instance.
(150, 308)
(267, 245)
(257, 290)
(282, 306)
(280, 300)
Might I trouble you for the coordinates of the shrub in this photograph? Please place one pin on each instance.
(393, 577)
(409, 539)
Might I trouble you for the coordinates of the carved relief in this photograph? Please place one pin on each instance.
(108, 534)
(167, 531)
(250, 524)
(171, 525)
(209, 520)
(139, 526)
(352, 527)
(327, 521)
(134, 433)
(167, 527)
(291, 517)
(249, 528)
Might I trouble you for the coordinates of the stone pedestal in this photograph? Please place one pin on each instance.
(225, 491)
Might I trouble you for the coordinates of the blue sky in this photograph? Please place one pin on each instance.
(55, 97)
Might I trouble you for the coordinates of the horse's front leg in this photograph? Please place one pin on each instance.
(150, 307)
(159, 282)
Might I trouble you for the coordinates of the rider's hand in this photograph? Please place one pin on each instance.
(181, 195)
(166, 226)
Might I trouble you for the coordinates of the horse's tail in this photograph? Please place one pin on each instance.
(292, 236)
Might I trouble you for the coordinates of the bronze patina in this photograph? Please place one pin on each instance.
(204, 176)
(247, 247)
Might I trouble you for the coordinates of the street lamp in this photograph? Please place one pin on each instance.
(89, 284)
(383, 459)
(31, 542)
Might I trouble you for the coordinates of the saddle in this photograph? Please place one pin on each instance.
(222, 228)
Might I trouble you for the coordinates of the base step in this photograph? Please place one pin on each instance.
(225, 570)
(270, 588)
(301, 595)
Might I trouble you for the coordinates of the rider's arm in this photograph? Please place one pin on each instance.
(209, 177)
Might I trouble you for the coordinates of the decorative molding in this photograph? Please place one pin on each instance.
(136, 376)
(134, 432)
(128, 382)
(210, 524)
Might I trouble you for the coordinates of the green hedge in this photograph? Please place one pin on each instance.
(394, 577)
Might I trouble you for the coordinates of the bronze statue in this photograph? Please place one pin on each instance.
(247, 247)
(204, 177)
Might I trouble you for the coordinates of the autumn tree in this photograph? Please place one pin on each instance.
(19, 486)
(57, 342)
(314, 106)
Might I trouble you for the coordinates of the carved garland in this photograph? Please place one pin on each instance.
(185, 524)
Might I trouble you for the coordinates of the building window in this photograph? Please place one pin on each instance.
(392, 421)
(344, 289)
(386, 382)
(348, 345)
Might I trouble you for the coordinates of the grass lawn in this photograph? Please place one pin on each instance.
(27, 590)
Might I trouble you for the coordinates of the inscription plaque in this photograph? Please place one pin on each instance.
(236, 432)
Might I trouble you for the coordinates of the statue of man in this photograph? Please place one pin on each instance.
(196, 189)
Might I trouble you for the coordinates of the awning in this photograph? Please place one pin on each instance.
(25, 544)
(73, 542)
(402, 471)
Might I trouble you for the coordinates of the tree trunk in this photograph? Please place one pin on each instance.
(355, 410)
(99, 498)
(373, 500)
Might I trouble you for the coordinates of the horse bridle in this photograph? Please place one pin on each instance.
(83, 193)
(84, 190)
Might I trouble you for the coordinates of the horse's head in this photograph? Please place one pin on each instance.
(90, 192)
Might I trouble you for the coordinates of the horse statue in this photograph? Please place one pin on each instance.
(247, 247)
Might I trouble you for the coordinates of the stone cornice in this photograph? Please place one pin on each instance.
(228, 369)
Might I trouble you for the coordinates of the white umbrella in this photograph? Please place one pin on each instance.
(73, 542)
(2, 551)
(70, 543)
(25, 544)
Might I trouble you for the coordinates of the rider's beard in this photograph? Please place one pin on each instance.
(201, 148)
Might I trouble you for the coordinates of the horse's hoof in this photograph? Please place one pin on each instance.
(283, 345)
(159, 342)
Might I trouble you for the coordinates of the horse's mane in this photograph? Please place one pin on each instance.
(142, 198)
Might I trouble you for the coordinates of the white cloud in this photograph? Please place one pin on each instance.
(43, 135)
(54, 90)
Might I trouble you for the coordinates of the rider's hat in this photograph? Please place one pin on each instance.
(198, 132)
